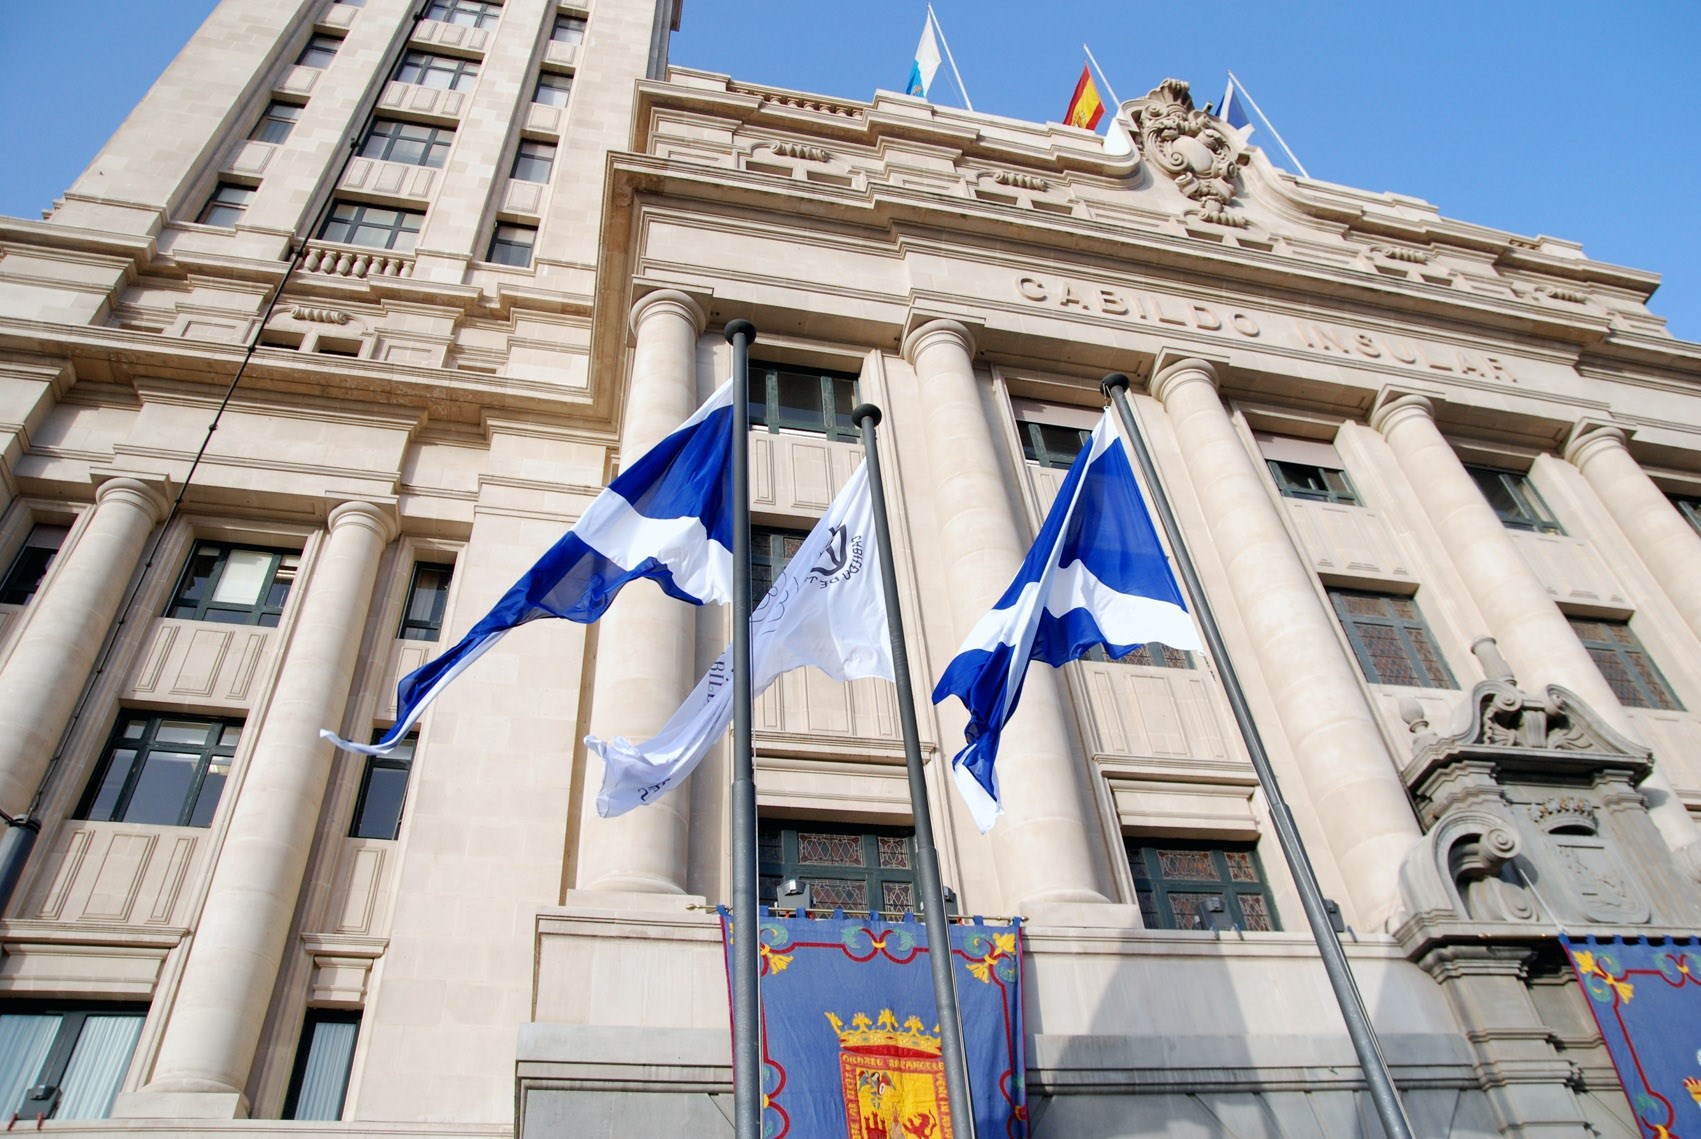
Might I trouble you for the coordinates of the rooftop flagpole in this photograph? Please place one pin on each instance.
(1383, 1093)
(1292, 157)
(1109, 90)
(866, 416)
(951, 59)
(746, 922)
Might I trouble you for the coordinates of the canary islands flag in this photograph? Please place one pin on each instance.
(1085, 106)
(926, 61)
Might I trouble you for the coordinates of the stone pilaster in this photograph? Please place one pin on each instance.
(50, 665)
(646, 664)
(1331, 729)
(1043, 847)
(214, 1023)
(1667, 545)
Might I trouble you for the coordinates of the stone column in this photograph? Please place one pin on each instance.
(240, 940)
(1529, 627)
(646, 659)
(1332, 731)
(67, 622)
(1667, 545)
(1044, 847)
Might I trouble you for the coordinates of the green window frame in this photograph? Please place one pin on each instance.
(1515, 499)
(844, 866)
(771, 547)
(31, 564)
(384, 792)
(783, 397)
(234, 585)
(438, 72)
(318, 1084)
(1052, 445)
(1626, 665)
(1391, 639)
(1312, 482)
(1690, 508)
(162, 771)
(75, 1052)
(1176, 881)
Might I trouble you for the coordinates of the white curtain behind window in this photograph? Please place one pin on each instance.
(97, 1066)
(24, 1041)
(325, 1080)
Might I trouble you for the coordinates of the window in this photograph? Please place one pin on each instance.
(1151, 655)
(440, 72)
(228, 203)
(845, 867)
(553, 89)
(1625, 664)
(1390, 639)
(413, 143)
(1515, 500)
(467, 13)
(1690, 508)
(428, 593)
(771, 547)
(802, 400)
(277, 122)
(72, 1054)
(234, 585)
(568, 30)
(30, 566)
(1317, 484)
(534, 161)
(319, 52)
(319, 1083)
(376, 227)
(511, 244)
(1050, 444)
(1194, 885)
(383, 790)
(162, 771)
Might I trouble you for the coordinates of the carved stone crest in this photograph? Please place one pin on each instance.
(1192, 147)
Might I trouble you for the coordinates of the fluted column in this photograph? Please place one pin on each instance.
(1331, 729)
(1533, 634)
(646, 663)
(1667, 545)
(50, 664)
(1043, 847)
(239, 942)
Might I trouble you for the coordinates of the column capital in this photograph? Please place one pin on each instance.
(379, 520)
(1591, 440)
(924, 336)
(1178, 373)
(150, 499)
(1399, 407)
(671, 301)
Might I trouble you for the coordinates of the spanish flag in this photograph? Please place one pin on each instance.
(1085, 106)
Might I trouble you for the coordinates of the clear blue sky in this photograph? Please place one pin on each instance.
(1564, 118)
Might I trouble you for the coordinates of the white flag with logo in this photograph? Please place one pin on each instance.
(826, 609)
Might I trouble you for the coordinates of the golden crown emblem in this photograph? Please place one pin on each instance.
(884, 1032)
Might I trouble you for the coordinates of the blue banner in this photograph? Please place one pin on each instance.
(852, 1029)
(1646, 997)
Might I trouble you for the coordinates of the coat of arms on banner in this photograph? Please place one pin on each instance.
(851, 1030)
(1646, 999)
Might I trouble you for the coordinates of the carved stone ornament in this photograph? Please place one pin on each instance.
(1021, 181)
(1194, 148)
(320, 315)
(800, 150)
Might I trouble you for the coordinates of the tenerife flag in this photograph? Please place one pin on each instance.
(1233, 109)
(667, 517)
(926, 61)
(1095, 576)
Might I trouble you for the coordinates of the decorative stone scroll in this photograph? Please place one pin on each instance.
(1196, 150)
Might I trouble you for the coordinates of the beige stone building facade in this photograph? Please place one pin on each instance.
(433, 270)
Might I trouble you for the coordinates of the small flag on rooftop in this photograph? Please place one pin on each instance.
(1233, 108)
(926, 61)
(1085, 106)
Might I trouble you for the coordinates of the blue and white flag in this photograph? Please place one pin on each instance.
(827, 609)
(1096, 575)
(667, 517)
(1233, 110)
(926, 61)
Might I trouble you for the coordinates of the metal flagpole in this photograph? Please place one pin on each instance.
(1108, 88)
(946, 44)
(746, 933)
(1382, 1091)
(866, 416)
(1235, 79)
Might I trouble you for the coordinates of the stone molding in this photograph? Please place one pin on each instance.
(1390, 413)
(673, 301)
(151, 500)
(922, 337)
(356, 512)
(1187, 370)
(1588, 444)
